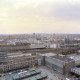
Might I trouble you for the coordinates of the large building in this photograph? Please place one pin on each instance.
(76, 58)
(3, 57)
(59, 63)
(38, 46)
(11, 61)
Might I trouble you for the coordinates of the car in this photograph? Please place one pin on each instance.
(32, 70)
(27, 68)
(67, 79)
(78, 79)
(22, 72)
(10, 73)
(15, 71)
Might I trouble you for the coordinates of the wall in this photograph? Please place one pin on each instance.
(68, 66)
(54, 64)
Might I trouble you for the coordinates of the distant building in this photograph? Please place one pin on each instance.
(54, 45)
(38, 46)
(67, 41)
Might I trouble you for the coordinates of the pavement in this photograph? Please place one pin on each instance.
(51, 74)
(55, 75)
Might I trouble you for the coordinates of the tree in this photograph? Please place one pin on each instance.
(1, 71)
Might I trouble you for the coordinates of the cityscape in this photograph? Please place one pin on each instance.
(39, 40)
(56, 56)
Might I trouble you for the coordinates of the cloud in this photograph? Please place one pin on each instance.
(68, 12)
(27, 16)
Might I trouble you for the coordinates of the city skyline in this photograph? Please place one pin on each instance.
(39, 16)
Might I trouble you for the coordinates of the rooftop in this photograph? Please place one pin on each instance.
(62, 58)
(48, 54)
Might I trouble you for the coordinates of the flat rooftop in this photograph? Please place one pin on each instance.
(48, 54)
(62, 58)
(74, 56)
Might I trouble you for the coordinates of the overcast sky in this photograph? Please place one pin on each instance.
(39, 16)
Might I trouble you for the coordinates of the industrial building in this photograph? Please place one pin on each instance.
(16, 47)
(59, 63)
(38, 46)
(75, 70)
(20, 46)
(11, 61)
(76, 58)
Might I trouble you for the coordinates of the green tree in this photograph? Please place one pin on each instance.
(1, 71)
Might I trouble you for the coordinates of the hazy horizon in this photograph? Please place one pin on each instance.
(39, 16)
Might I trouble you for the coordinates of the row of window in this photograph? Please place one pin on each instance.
(18, 65)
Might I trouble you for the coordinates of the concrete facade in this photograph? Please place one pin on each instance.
(61, 64)
(16, 61)
(17, 65)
